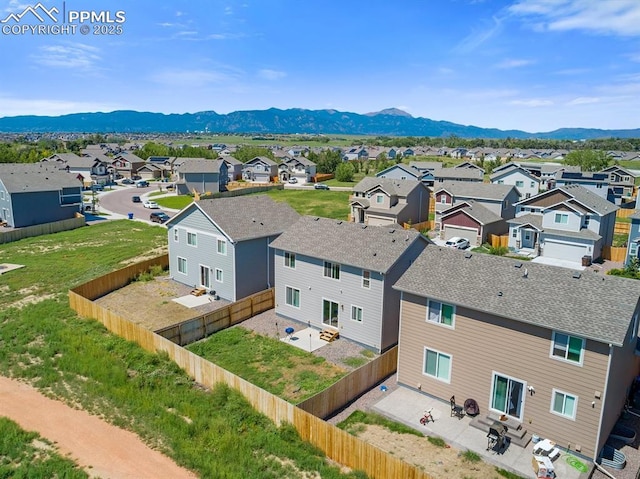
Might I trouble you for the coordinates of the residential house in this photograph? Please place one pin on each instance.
(90, 169)
(621, 185)
(300, 168)
(126, 164)
(260, 170)
(383, 201)
(551, 349)
(157, 167)
(469, 164)
(338, 275)
(400, 171)
(498, 199)
(200, 175)
(597, 183)
(458, 174)
(525, 182)
(223, 244)
(473, 221)
(424, 166)
(567, 223)
(36, 193)
(356, 153)
(234, 167)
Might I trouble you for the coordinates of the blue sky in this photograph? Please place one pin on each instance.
(534, 65)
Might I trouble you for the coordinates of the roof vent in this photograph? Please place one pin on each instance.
(316, 219)
(393, 240)
(468, 255)
(364, 227)
(517, 265)
(339, 222)
(526, 273)
(375, 254)
(499, 293)
(392, 230)
(576, 275)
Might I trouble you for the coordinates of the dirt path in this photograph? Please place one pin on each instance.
(101, 449)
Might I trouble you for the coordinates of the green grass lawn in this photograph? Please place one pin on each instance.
(281, 369)
(174, 202)
(328, 204)
(215, 433)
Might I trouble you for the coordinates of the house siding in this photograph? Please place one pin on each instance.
(254, 266)
(480, 344)
(36, 208)
(347, 291)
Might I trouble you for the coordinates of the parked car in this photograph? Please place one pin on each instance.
(127, 181)
(159, 217)
(136, 199)
(457, 242)
(152, 205)
(293, 181)
(97, 187)
(142, 184)
(136, 177)
(320, 186)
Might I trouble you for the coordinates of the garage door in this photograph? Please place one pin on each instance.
(565, 251)
(451, 231)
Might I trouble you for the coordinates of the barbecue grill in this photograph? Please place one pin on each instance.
(497, 437)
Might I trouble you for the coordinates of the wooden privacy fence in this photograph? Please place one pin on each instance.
(43, 229)
(336, 444)
(499, 241)
(625, 213)
(205, 325)
(351, 386)
(420, 226)
(622, 228)
(617, 254)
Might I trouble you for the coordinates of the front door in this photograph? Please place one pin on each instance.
(330, 313)
(205, 274)
(507, 396)
(527, 239)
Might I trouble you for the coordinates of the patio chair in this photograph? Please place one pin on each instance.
(457, 411)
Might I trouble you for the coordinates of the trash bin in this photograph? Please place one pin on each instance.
(586, 260)
(130, 215)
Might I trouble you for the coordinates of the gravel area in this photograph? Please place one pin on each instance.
(632, 469)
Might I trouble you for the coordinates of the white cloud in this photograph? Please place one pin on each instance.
(12, 106)
(479, 35)
(514, 63)
(533, 102)
(228, 11)
(612, 17)
(584, 100)
(191, 78)
(271, 75)
(75, 56)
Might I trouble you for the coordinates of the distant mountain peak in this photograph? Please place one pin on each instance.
(390, 111)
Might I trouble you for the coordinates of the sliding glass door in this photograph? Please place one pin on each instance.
(507, 395)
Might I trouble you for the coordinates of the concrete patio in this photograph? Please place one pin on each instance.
(407, 406)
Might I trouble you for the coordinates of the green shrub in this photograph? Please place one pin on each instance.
(437, 441)
(471, 456)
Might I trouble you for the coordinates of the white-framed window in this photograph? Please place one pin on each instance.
(598, 185)
(182, 265)
(443, 199)
(292, 297)
(514, 234)
(221, 246)
(533, 184)
(366, 279)
(519, 183)
(501, 182)
(1, 195)
(331, 270)
(633, 249)
(219, 276)
(564, 404)
(437, 365)
(290, 260)
(567, 348)
(440, 313)
(561, 218)
(176, 237)
(587, 220)
(192, 239)
(356, 313)
(379, 199)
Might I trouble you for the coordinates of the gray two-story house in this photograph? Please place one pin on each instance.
(202, 176)
(222, 245)
(338, 275)
(32, 194)
(299, 168)
(260, 170)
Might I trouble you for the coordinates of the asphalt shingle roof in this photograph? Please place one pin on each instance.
(43, 176)
(376, 248)
(394, 187)
(593, 306)
(469, 173)
(589, 199)
(199, 165)
(480, 213)
(475, 190)
(248, 217)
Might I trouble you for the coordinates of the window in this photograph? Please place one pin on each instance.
(567, 347)
(192, 239)
(633, 250)
(598, 185)
(218, 275)
(515, 233)
(175, 235)
(331, 270)
(222, 247)
(519, 184)
(443, 199)
(501, 182)
(587, 219)
(293, 297)
(564, 404)
(440, 313)
(562, 219)
(182, 265)
(379, 199)
(533, 184)
(437, 365)
(289, 259)
(366, 279)
(356, 313)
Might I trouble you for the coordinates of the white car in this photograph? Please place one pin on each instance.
(457, 243)
(151, 205)
(293, 181)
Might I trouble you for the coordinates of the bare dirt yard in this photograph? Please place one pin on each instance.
(101, 449)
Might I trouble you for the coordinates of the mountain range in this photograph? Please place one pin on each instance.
(389, 122)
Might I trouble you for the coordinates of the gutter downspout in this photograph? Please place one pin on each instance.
(268, 263)
(602, 407)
